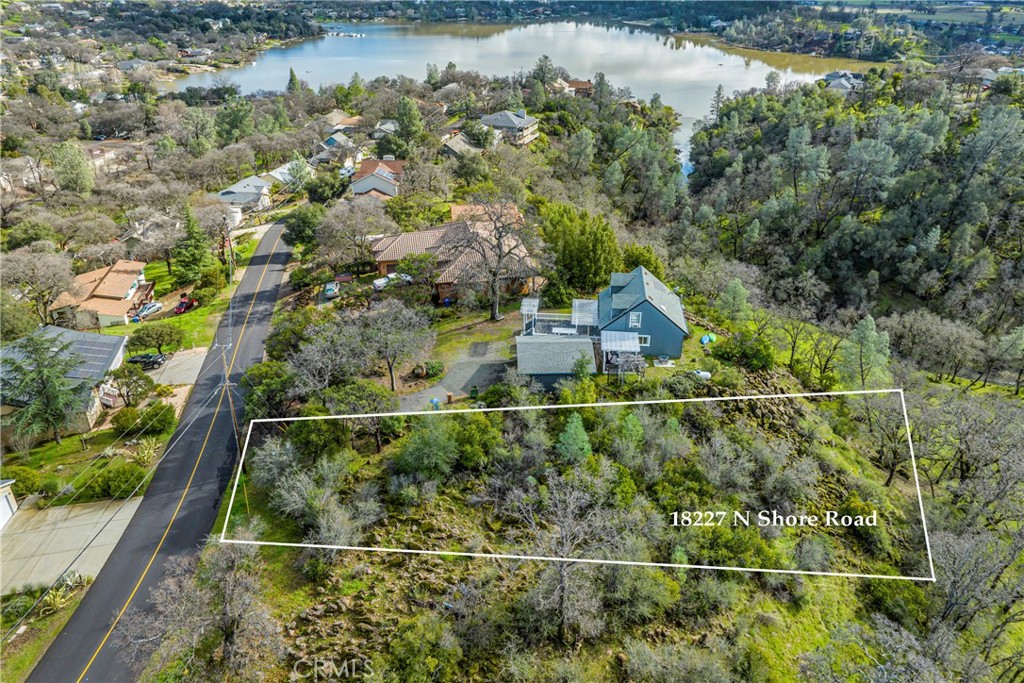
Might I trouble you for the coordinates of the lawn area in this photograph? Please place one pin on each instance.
(199, 324)
(456, 335)
(69, 455)
(23, 652)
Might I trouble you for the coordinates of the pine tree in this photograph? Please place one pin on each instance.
(191, 252)
(39, 381)
(732, 303)
(294, 84)
(573, 443)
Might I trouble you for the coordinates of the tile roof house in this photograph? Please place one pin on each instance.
(97, 354)
(105, 296)
(517, 127)
(383, 176)
(456, 262)
(248, 194)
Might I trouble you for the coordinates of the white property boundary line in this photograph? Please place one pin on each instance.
(498, 556)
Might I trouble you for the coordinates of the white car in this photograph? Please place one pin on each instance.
(380, 284)
(149, 309)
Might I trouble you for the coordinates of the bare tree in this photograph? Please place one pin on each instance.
(348, 228)
(207, 614)
(497, 244)
(392, 333)
(39, 273)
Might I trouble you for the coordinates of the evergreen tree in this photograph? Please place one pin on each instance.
(410, 123)
(584, 246)
(191, 252)
(634, 255)
(71, 169)
(235, 120)
(573, 443)
(38, 381)
(732, 303)
(294, 84)
(864, 356)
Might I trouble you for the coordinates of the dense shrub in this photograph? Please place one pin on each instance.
(213, 278)
(26, 480)
(118, 480)
(155, 419)
(750, 351)
(205, 295)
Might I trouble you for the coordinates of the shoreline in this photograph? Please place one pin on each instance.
(714, 40)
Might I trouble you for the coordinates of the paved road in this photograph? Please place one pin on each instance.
(181, 504)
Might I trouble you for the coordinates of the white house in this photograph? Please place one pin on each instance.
(379, 178)
(248, 194)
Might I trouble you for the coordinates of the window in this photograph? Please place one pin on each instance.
(645, 340)
(634, 320)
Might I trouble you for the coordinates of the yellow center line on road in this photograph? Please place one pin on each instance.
(195, 468)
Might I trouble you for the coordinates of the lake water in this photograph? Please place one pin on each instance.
(684, 70)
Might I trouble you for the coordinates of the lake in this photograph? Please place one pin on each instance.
(685, 70)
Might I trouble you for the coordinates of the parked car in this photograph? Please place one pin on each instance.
(186, 304)
(380, 284)
(149, 309)
(332, 290)
(148, 361)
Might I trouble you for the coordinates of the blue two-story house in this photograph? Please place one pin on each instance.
(640, 303)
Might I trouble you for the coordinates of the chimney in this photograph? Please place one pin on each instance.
(521, 113)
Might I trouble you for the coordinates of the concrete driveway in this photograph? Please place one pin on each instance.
(181, 368)
(38, 545)
(484, 366)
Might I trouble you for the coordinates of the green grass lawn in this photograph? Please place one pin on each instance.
(69, 454)
(199, 324)
(24, 652)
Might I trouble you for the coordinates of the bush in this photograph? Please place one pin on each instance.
(557, 294)
(749, 351)
(163, 390)
(205, 295)
(51, 485)
(26, 481)
(156, 419)
(433, 368)
(212, 278)
(301, 277)
(117, 481)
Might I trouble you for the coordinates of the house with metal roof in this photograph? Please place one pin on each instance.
(636, 316)
(96, 355)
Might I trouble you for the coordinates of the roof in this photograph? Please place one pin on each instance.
(251, 184)
(103, 290)
(625, 342)
(372, 166)
(283, 172)
(98, 353)
(628, 290)
(336, 116)
(453, 262)
(509, 119)
(584, 312)
(553, 355)
(337, 139)
(579, 85)
(460, 144)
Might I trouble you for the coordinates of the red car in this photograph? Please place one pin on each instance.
(186, 304)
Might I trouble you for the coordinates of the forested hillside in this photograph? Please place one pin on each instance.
(897, 198)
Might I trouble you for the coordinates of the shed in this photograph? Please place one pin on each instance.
(550, 358)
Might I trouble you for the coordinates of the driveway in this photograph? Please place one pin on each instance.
(181, 368)
(484, 364)
(39, 545)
